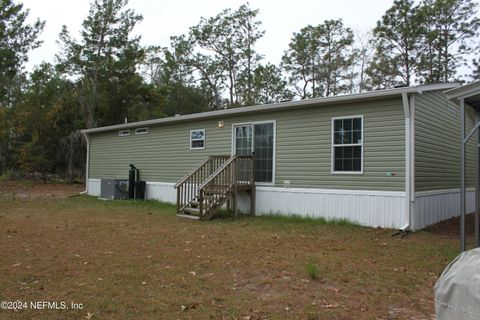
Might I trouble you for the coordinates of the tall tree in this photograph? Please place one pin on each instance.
(268, 85)
(398, 37)
(17, 39)
(105, 61)
(216, 35)
(336, 56)
(449, 27)
(319, 59)
(248, 33)
(173, 82)
(476, 66)
(363, 59)
(300, 61)
(186, 65)
(383, 71)
(44, 117)
(222, 52)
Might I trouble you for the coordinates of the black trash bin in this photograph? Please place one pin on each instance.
(140, 187)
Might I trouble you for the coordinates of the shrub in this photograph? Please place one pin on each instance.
(312, 269)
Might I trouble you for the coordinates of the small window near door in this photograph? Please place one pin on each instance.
(347, 147)
(197, 139)
(123, 133)
(141, 131)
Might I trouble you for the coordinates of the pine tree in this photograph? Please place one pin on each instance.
(398, 37)
(268, 85)
(17, 39)
(230, 38)
(105, 61)
(319, 59)
(450, 27)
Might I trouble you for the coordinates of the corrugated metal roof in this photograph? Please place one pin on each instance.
(370, 95)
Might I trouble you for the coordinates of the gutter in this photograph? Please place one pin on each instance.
(87, 163)
(408, 140)
(412, 160)
(409, 112)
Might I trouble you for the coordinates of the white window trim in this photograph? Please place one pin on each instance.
(332, 158)
(124, 133)
(274, 160)
(146, 130)
(204, 139)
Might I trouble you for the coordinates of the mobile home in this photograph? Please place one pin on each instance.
(386, 158)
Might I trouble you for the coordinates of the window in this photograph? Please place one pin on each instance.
(141, 130)
(260, 138)
(123, 133)
(347, 149)
(263, 147)
(197, 139)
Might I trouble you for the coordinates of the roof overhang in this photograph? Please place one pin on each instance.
(315, 102)
(469, 92)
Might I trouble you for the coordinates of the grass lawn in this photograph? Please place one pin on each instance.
(127, 260)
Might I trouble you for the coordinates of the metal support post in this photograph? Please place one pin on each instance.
(462, 175)
(477, 186)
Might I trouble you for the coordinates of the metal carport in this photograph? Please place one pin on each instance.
(468, 95)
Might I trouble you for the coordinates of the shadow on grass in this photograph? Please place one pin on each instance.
(223, 216)
(278, 219)
(130, 204)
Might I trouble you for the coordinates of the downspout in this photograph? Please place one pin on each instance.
(87, 163)
(408, 158)
(412, 163)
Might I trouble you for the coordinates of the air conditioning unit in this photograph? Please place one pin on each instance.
(114, 189)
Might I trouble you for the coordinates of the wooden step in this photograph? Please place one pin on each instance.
(211, 195)
(188, 216)
(217, 191)
(192, 210)
(194, 204)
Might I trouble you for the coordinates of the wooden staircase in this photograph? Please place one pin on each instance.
(212, 183)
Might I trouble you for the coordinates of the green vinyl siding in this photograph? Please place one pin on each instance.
(302, 155)
(437, 143)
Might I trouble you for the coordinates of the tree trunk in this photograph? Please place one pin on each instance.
(407, 64)
(249, 71)
(44, 169)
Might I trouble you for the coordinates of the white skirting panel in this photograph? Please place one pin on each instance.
(93, 187)
(368, 208)
(161, 191)
(435, 206)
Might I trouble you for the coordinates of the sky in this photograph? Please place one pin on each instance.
(162, 19)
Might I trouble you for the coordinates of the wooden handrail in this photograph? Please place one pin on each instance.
(196, 168)
(220, 169)
(214, 180)
(187, 187)
(217, 172)
(227, 179)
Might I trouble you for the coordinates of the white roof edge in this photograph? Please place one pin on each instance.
(464, 91)
(280, 106)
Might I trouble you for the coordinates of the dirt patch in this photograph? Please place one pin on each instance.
(451, 227)
(25, 190)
